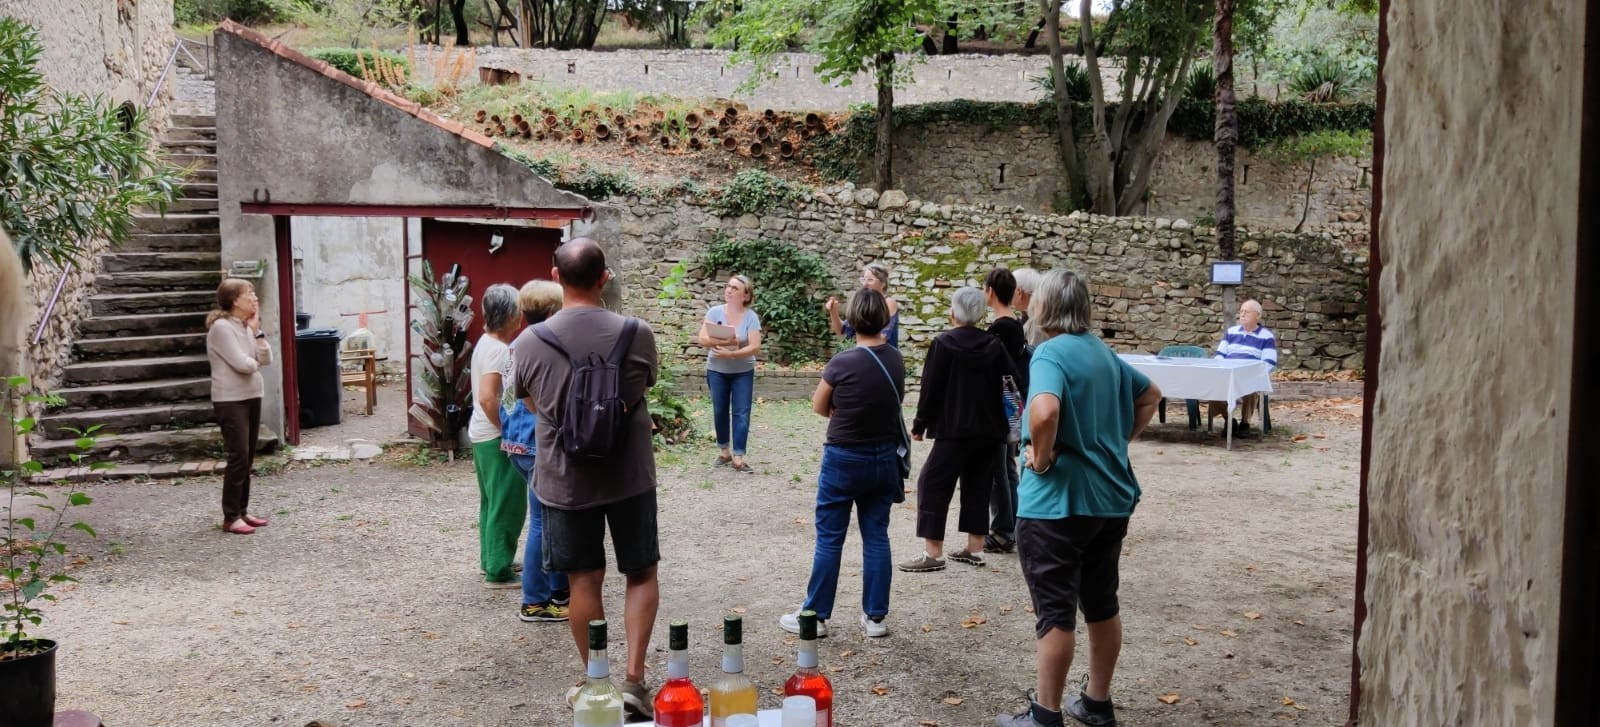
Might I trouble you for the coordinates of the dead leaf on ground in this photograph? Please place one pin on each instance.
(739, 610)
(1029, 609)
(1298, 622)
(1228, 633)
(1198, 627)
(880, 690)
(974, 620)
(847, 652)
(1006, 608)
(776, 660)
(1321, 435)
(954, 701)
(799, 521)
(122, 623)
(1252, 615)
(295, 625)
(776, 690)
(1287, 702)
(1300, 437)
(1189, 641)
(1227, 655)
(927, 723)
(358, 704)
(927, 628)
(1169, 698)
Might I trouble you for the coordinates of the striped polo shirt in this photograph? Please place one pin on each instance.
(1241, 344)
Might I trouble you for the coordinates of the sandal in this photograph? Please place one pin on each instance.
(745, 468)
(723, 461)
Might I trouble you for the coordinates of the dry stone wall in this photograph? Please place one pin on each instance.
(947, 162)
(1149, 275)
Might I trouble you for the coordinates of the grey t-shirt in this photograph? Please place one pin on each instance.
(747, 323)
(542, 373)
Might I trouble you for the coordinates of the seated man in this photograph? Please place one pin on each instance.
(1248, 340)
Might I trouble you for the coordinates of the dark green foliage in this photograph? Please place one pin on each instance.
(69, 172)
(189, 12)
(1323, 80)
(754, 191)
(1261, 122)
(1201, 84)
(1077, 84)
(598, 184)
(345, 60)
(786, 281)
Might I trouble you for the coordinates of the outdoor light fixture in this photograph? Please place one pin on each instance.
(496, 241)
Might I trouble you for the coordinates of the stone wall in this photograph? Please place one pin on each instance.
(110, 48)
(947, 162)
(1148, 275)
(345, 265)
(1467, 472)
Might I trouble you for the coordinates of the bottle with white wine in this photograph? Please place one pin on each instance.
(598, 703)
(733, 694)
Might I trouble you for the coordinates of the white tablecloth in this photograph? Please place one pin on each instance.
(1206, 379)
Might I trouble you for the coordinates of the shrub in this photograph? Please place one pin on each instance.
(786, 280)
(1201, 84)
(597, 184)
(1077, 84)
(753, 191)
(350, 60)
(190, 12)
(1323, 80)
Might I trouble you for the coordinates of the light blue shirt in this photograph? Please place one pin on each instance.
(750, 322)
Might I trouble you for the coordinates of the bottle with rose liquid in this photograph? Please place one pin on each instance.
(808, 680)
(732, 694)
(678, 702)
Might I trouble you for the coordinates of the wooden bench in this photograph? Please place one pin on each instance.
(365, 376)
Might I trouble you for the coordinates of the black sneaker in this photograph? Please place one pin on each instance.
(997, 543)
(1091, 712)
(561, 597)
(542, 612)
(1034, 716)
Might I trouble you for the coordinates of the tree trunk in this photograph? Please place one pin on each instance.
(1033, 35)
(458, 14)
(1066, 129)
(1227, 128)
(1305, 211)
(949, 36)
(1100, 169)
(883, 167)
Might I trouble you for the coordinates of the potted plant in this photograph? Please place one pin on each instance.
(34, 560)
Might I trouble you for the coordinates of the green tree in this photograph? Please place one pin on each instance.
(72, 168)
(852, 36)
(1308, 148)
(564, 24)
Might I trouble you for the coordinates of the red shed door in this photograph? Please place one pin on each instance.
(521, 254)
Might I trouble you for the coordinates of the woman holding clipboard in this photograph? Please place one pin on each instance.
(732, 334)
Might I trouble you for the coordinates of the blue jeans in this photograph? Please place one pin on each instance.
(537, 585)
(731, 392)
(866, 477)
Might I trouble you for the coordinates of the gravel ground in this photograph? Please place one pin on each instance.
(361, 604)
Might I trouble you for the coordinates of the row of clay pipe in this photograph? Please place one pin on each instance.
(770, 132)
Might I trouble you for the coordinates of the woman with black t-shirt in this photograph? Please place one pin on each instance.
(1000, 288)
(860, 393)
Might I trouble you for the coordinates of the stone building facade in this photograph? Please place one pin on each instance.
(1149, 276)
(110, 48)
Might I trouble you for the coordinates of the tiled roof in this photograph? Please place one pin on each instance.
(370, 88)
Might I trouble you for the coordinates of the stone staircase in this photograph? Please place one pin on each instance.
(139, 367)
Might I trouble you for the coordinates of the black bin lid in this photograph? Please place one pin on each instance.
(316, 334)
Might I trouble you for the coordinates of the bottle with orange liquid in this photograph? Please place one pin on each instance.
(808, 680)
(678, 702)
(733, 694)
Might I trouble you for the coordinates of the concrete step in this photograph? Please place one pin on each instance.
(201, 175)
(161, 324)
(171, 301)
(192, 161)
(176, 242)
(58, 425)
(189, 146)
(194, 120)
(138, 393)
(168, 224)
(193, 205)
(198, 190)
(190, 133)
(168, 344)
(123, 262)
(163, 446)
(129, 370)
(182, 280)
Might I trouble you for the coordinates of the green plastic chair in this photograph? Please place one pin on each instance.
(1192, 405)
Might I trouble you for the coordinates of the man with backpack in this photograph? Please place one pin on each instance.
(585, 372)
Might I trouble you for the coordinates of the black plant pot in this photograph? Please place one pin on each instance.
(28, 688)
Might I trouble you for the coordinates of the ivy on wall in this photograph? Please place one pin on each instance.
(1261, 122)
(786, 281)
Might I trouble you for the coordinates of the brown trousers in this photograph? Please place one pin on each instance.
(240, 422)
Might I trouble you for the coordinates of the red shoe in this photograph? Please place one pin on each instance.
(238, 527)
(253, 521)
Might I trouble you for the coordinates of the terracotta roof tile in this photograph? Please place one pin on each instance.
(370, 88)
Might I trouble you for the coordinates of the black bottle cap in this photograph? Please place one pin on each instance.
(678, 636)
(732, 630)
(597, 634)
(808, 625)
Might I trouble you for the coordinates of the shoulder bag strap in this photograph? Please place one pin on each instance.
(619, 351)
(899, 417)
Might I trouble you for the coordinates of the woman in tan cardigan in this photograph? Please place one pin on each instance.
(237, 349)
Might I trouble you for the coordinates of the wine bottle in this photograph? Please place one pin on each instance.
(808, 680)
(598, 703)
(678, 702)
(733, 694)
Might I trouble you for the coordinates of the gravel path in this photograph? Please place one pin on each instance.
(361, 603)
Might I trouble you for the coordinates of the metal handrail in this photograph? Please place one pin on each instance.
(166, 70)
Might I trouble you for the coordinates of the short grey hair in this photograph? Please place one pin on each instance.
(1252, 303)
(1027, 279)
(1061, 304)
(966, 306)
(500, 307)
